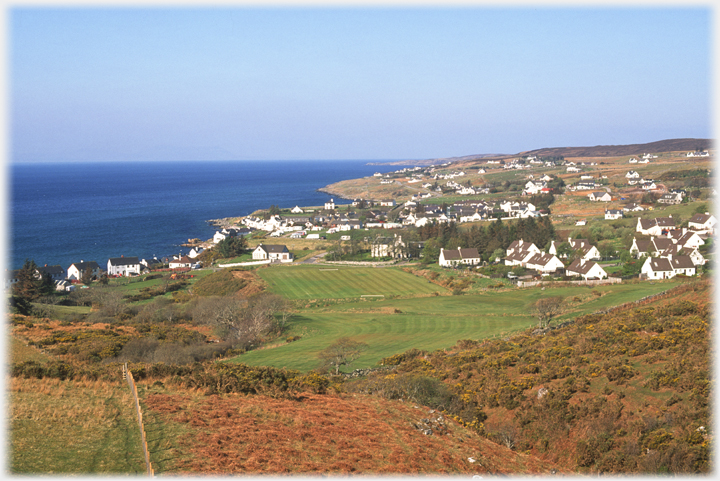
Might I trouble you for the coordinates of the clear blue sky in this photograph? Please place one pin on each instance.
(320, 83)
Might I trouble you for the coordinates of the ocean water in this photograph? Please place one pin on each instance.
(61, 213)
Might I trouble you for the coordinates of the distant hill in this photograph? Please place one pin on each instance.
(672, 145)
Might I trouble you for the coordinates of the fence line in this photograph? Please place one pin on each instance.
(597, 282)
(127, 375)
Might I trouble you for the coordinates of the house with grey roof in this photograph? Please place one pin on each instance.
(272, 252)
(123, 266)
(586, 269)
(459, 256)
(77, 269)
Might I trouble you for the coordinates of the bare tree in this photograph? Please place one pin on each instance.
(225, 313)
(341, 353)
(546, 308)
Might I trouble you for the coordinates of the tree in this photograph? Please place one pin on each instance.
(29, 284)
(87, 276)
(231, 247)
(546, 308)
(341, 353)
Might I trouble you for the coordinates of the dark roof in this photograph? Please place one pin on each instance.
(273, 248)
(643, 245)
(540, 259)
(581, 267)
(52, 270)
(686, 237)
(660, 264)
(699, 218)
(81, 266)
(665, 221)
(662, 243)
(682, 262)
(458, 254)
(123, 261)
(579, 243)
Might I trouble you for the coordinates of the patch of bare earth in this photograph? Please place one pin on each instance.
(253, 283)
(327, 434)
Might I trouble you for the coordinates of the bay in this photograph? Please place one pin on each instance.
(61, 213)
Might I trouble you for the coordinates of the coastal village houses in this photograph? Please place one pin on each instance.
(703, 223)
(588, 270)
(77, 269)
(277, 253)
(123, 266)
(459, 256)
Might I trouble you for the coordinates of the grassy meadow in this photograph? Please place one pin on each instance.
(72, 427)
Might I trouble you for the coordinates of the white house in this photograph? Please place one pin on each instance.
(670, 198)
(612, 214)
(668, 267)
(330, 205)
(657, 268)
(194, 252)
(182, 262)
(632, 207)
(600, 196)
(702, 223)
(123, 266)
(686, 238)
(587, 250)
(296, 210)
(386, 246)
(544, 263)
(453, 257)
(632, 175)
(655, 227)
(633, 161)
(77, 269)
(272, 252)
(224, 234)
(521, 245)
(677, 250)
(648, 185)
(586, 270)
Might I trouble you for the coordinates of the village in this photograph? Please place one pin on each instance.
(667, 248)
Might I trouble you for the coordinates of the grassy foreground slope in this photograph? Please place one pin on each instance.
(72, 427)
(393, 326)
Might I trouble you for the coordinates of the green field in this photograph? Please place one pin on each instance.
(72, 427)
(328, 282)
(392, 326)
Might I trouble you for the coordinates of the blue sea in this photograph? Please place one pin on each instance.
(61, 213)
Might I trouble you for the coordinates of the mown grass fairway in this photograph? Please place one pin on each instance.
(328, 282)
(430, 323)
